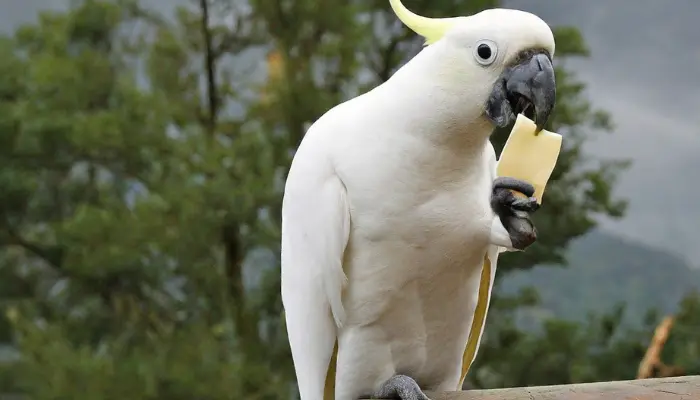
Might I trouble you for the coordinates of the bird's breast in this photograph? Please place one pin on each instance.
(424, 244)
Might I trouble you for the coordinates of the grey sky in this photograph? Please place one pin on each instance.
(643, 69)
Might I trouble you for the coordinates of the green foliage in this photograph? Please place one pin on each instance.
(141, 167)
(565, 352)
(158, 367)
(596, 349)
(683, 347)
(121, 201)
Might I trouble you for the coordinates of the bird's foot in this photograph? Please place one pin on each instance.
(514, 211)
(400, 387)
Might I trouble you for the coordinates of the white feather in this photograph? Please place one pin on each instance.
(315, 228)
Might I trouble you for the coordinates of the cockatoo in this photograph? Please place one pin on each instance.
(392, 210)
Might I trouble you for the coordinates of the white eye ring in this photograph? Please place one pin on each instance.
(485, 52)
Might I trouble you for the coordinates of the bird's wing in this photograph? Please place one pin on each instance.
(488, 275)
(315, 230)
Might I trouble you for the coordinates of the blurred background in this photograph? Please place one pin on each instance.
(144, 147)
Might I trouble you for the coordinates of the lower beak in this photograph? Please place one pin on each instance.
(527, 88)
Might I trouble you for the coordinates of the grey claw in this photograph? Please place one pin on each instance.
(527, 205)
(521, 230)
(504, 182)
(400, 387)
(514, 211)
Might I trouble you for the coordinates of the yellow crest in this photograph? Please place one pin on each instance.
(432, 29)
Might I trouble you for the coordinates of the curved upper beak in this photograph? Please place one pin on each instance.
(528, 88)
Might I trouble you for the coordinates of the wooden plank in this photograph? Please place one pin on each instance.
(677, 388)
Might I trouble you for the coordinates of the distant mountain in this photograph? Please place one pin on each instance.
(603, 271)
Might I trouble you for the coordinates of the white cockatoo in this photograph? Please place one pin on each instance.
(392, 211)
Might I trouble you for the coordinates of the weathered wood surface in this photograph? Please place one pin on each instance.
(678, 388)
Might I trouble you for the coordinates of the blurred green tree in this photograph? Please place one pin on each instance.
(683, 346)
(129, 203)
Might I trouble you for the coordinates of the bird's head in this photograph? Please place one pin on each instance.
(500, 58)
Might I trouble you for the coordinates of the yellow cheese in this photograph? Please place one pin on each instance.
(529, 157)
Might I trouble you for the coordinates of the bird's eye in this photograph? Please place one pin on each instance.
(485, 52)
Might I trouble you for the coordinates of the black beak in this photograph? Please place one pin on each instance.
(527, 87)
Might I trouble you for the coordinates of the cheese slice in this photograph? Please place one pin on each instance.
(528, 156)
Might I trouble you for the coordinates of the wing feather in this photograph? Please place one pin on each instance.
(315, 230)
(487, 278)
